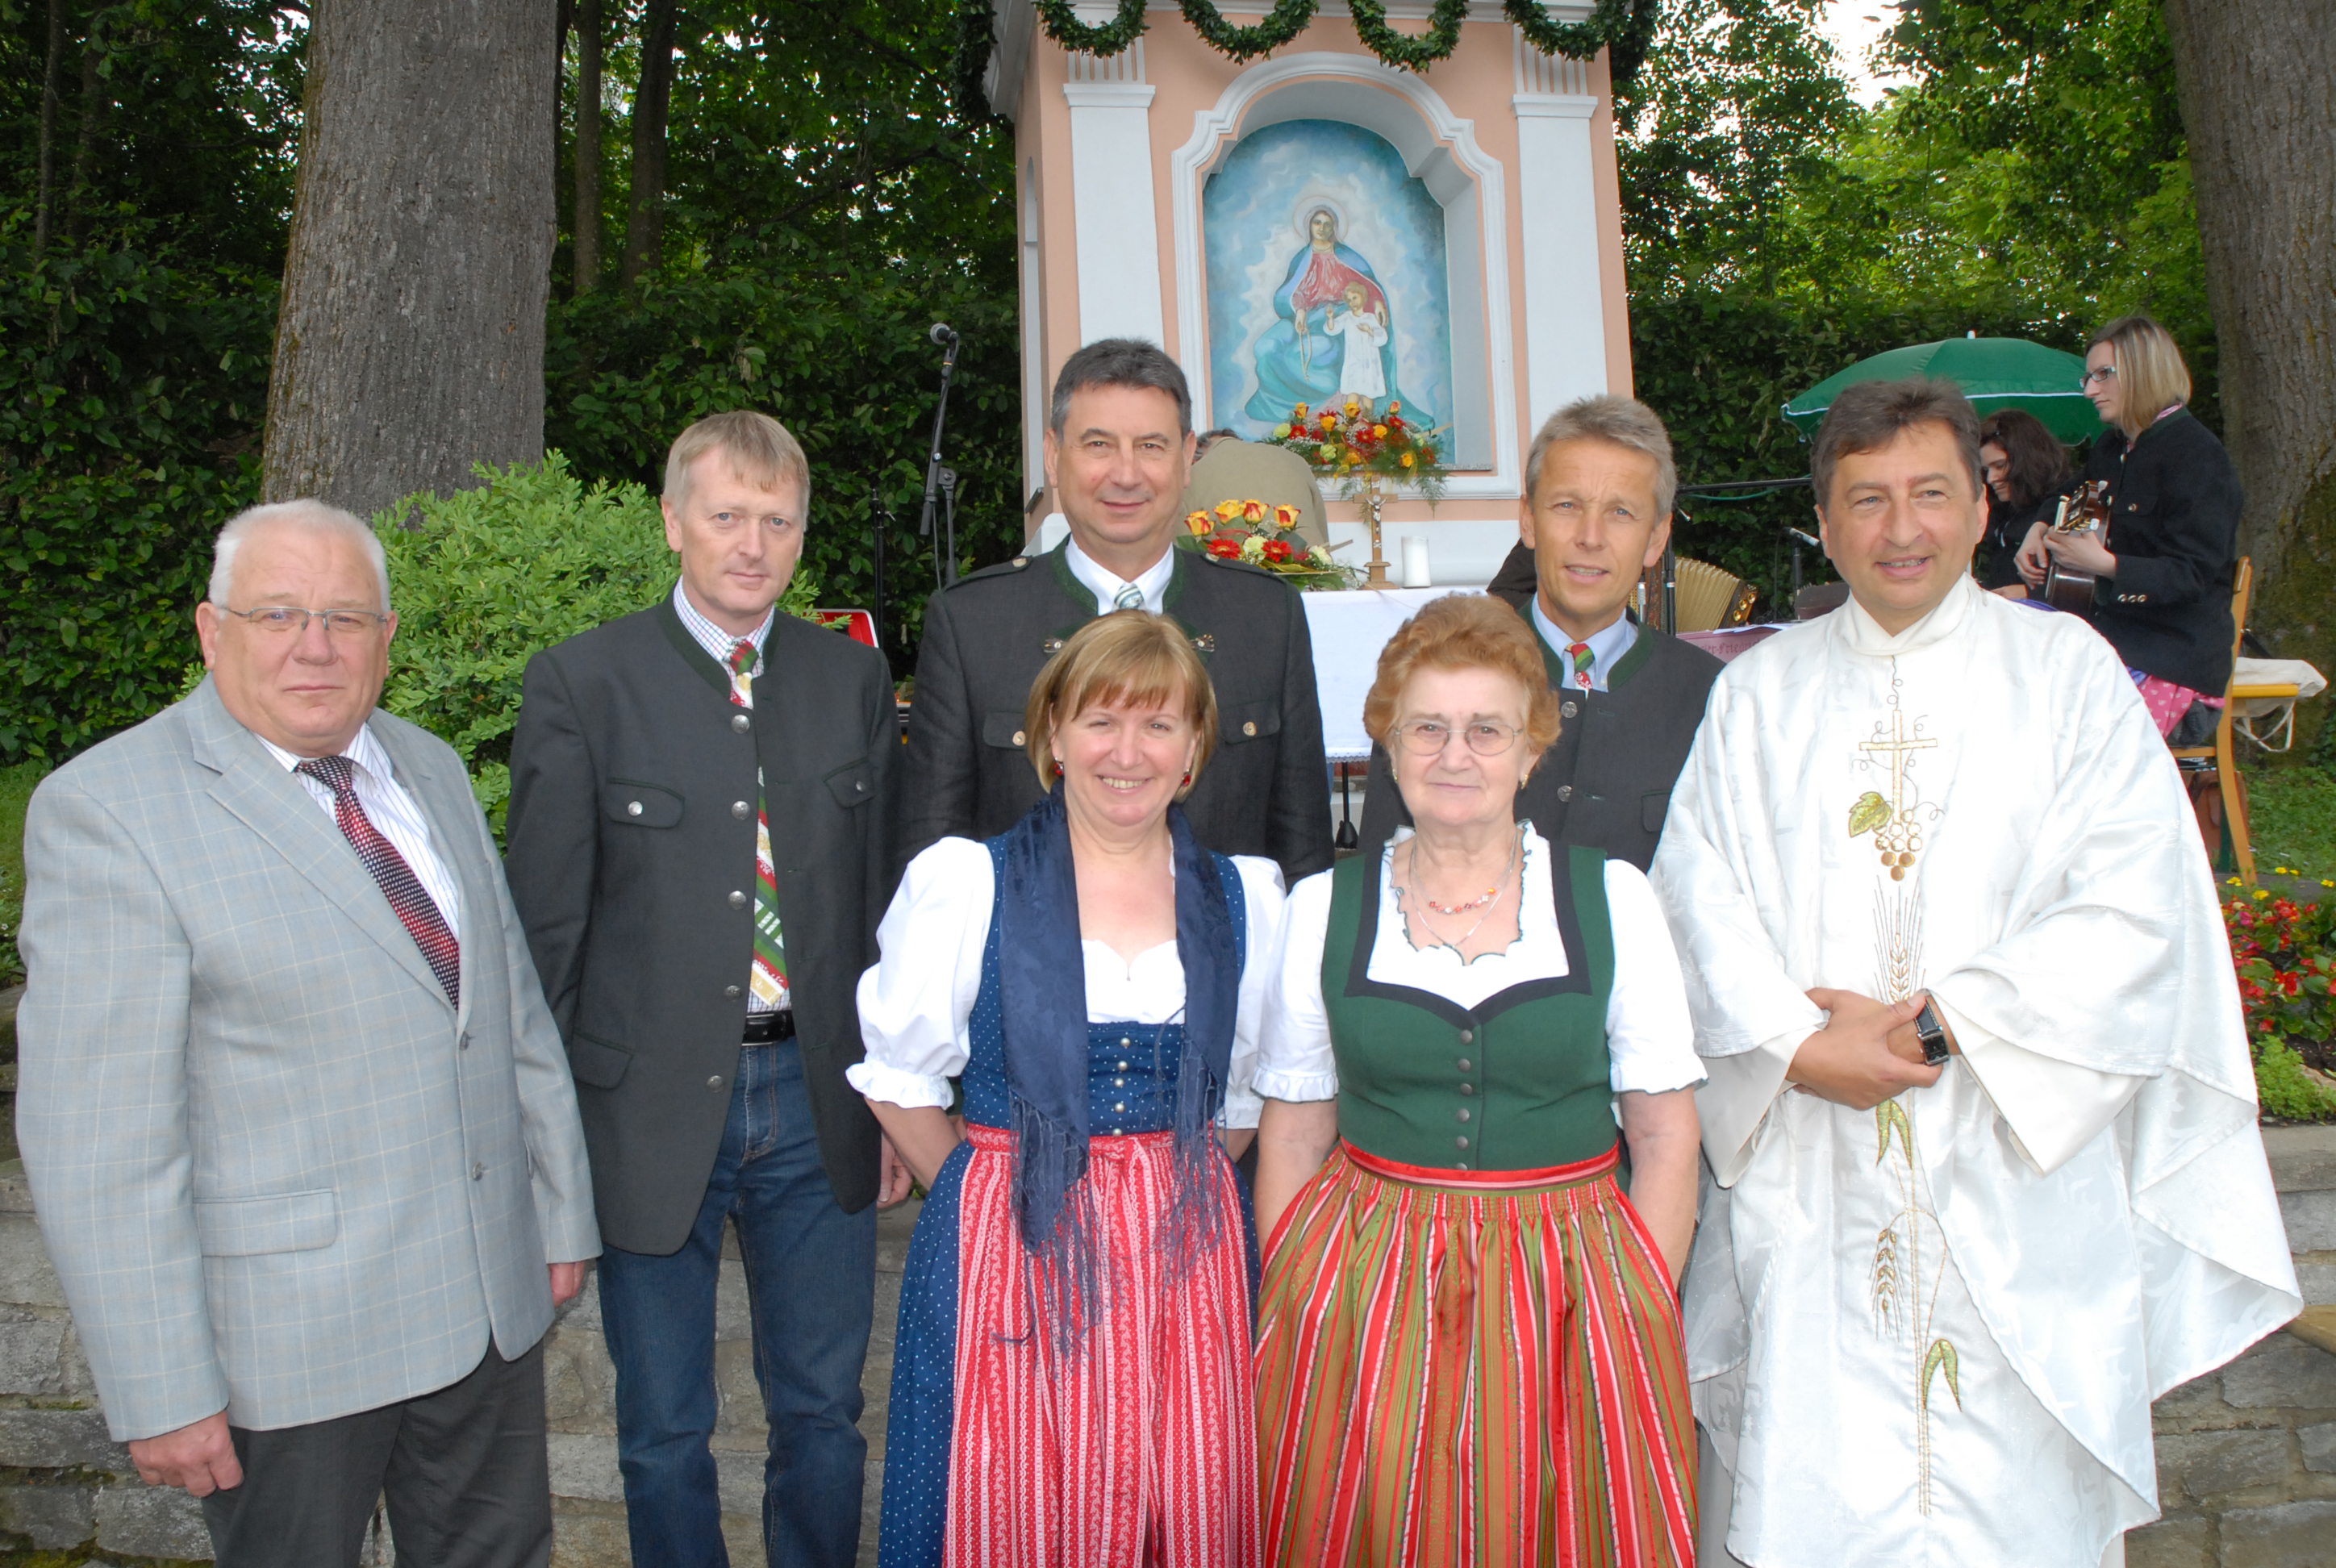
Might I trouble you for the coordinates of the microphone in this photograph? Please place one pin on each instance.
(942, 335)
(1805, 538)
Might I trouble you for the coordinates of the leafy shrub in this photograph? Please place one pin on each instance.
(483, 579)
(132, 392)
(2286, 956)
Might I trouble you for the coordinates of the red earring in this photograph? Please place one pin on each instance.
(1187, 783)
(1058, 767)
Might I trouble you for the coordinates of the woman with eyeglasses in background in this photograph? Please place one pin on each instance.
(2166, 566)
(1468, 1338)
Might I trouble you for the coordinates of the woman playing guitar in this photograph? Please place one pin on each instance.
(2164, 566)
(2026, 472)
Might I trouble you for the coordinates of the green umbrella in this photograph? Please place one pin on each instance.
(1993, 372)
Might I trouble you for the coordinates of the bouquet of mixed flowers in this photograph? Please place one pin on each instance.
(1355, 441)
(1265, 536)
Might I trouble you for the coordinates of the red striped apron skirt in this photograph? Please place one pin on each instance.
(1137, 1447)
(1471, 1367)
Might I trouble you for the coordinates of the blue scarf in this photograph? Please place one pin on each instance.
(1043, 1003)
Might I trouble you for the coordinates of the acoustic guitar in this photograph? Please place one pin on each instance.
(2086, 511)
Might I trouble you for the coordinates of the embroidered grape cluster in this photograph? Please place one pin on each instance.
(1900, 842)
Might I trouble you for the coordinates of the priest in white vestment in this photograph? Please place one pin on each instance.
(1928, 1306)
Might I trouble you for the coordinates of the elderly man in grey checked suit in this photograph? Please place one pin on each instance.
(300, 1132)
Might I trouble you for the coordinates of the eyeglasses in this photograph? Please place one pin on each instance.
(2105, 374)
(284, 620)
(1485, 736)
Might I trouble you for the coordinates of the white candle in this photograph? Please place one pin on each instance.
(1415, 563)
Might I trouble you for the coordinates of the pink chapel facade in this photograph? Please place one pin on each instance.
(1114, 158)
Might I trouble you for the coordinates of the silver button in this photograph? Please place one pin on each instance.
(1019, 739)
(730, 991)
(1467, 1088)
(1250, 728)
(1462, 1141)
(1119, 1105)
(1567, 710)
(632, 808)
(1463, 1064)
(1461, 1165)
(1122, 1067)
(740, 723)
(478, 1171)
(1566, 792)
(739, 809)
(1126, 1040)
(737, 901)
(1467, 1036)
(714, 1082)
(862, 786)
(1119, 1082)
(1461, 1114)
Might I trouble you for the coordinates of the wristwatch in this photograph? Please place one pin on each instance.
(1931, 1030)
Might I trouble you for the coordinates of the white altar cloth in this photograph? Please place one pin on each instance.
(1348, 630)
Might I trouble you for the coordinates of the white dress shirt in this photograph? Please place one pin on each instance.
(1106, 584)
(1649, 1034)
(1606, 648)
(390, 809)
(917, 1002)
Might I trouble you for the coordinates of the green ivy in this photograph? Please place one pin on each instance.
(483, 579)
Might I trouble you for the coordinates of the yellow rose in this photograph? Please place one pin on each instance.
(1197, 523)
(1299, 411)
(1252, 511)
(1406, 460)
(1378, 433)
(1229, 510)
(1285, 517)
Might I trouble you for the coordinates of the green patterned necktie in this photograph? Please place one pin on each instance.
(769, 978)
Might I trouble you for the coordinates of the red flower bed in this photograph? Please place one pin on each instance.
(2286, 957)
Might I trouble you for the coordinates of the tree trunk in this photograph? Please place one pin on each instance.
(44, 200)
(409, 345)
(645, 234)
(2255, 81)
(587, 223)
(93, 101)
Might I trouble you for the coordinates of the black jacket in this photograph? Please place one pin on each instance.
(632, 840)
(2007, 530)
(1607, 781)
(987, 636)
(2173, 528)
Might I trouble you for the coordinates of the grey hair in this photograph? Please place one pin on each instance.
(308, 513)
(1625, 421)
(1120, 362)
(1868, 415)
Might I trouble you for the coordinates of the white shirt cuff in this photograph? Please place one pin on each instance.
(1296, 1089)
(894, 1087)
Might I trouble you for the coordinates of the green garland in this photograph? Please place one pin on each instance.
(1628, 26)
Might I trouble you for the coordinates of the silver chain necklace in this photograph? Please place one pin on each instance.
(1403, 896)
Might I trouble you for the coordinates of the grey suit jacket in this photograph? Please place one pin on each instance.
(277, 1173)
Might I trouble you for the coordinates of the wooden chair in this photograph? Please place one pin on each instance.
(2226, 767)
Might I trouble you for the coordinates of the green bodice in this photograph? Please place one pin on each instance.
(1519, 1082)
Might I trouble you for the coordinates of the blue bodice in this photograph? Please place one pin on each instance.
(1132, 1068)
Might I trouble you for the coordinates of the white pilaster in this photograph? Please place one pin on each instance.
(1557, 216)
(1118, 235)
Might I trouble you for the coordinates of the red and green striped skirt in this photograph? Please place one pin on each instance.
(1463, 1367)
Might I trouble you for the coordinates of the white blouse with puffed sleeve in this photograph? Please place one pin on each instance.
(916, 1002)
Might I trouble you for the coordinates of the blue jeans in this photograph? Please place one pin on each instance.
(811, 1286)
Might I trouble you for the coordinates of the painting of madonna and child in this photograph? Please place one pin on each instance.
(1325, 277)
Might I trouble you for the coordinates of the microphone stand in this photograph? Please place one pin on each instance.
(946, 565)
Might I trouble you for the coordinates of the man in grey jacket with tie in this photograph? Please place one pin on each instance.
(300, 1129)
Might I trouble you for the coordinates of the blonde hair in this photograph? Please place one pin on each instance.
(759, 448)
(1464, 631)
(1130, 656)
(2151, 375)
(1622, 421)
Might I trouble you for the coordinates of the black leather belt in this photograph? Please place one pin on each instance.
(767, 1028)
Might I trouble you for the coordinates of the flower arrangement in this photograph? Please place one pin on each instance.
(1267, 536)
(1355, 441)
(2285, 953)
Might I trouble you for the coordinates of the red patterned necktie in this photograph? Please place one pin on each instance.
(404, 891)
(1579, 652)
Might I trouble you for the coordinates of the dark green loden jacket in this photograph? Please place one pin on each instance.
(632, 841)
(987, 637)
